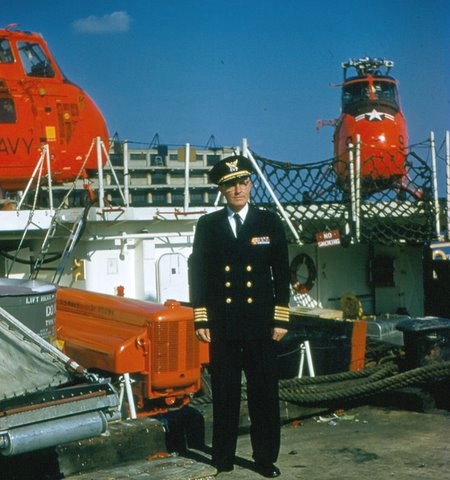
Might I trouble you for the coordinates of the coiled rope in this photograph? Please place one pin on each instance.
(350, 385)
(377, 383)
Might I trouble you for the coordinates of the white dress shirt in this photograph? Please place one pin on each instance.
(242, 213)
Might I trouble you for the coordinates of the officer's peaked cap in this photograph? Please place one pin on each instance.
(231, 168)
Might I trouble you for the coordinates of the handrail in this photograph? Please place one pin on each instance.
(37, 168)
(435, 185)
(358, 187)
(447, 163)
(280, 207)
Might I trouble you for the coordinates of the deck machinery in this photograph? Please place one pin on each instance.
(149, 349)
(47, 398)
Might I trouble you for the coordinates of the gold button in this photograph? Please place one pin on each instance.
(248, 268)
(228, 300)
(227, 268)
(249, 300)
(228, 284)
(249, 284)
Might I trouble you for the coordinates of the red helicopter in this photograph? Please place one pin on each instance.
(371, 109)
(40, 106)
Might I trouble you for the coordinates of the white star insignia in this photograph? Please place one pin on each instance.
(374, 115)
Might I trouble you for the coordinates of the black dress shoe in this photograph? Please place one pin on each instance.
(268, 470)
(224, 467)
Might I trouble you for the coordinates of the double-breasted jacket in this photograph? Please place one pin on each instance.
(240, 286)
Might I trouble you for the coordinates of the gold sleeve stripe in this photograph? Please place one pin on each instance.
(281, 313)
(200, 314)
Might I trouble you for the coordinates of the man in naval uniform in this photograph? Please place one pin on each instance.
(240, 294)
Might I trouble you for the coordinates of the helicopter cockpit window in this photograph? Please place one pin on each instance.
(6, 55)
(358, 94)
(34, 60)
(354, 92)
(386, 91)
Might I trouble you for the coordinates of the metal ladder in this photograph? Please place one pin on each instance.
(46, 256)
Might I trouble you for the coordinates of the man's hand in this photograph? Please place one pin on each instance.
(278, 333)
(203, 335)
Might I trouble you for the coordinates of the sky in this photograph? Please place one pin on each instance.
(264, 70)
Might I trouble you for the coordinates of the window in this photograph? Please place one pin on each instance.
(138, 156)
(7, 107)
(34, 60)
(6, 55)
(157, 160)
(212, 159)
(386, 91)
(354, 92)
(358, 96)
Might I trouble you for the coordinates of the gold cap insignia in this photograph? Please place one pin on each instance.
(233, 167)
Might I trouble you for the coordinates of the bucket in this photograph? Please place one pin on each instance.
(32, 302)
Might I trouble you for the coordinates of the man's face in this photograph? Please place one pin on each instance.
(237, 193)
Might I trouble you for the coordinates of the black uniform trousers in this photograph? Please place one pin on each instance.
(256, 357)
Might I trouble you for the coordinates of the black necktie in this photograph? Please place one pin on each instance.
(238, 220)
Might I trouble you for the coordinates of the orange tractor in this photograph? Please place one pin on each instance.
(148, 350)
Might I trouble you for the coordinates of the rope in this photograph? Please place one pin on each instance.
(356, 390)
(350, 385)
(322, 388)
(333, 377)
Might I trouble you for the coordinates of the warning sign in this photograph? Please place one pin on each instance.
(327, 239)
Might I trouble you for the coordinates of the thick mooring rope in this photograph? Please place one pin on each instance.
(351, 385)
(375, 384)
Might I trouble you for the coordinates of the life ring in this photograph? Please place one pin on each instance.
(307, 261)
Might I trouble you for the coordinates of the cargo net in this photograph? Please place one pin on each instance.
(323, 197)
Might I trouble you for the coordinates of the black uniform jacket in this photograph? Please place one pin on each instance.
(240, 286)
